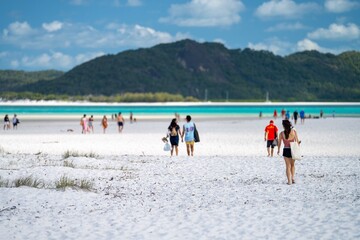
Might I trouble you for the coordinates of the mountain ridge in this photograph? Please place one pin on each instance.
(208, 69)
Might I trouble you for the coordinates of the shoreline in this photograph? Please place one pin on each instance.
(209, 103)
(164, 117)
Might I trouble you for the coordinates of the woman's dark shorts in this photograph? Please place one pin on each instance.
(174, 140)
(287, 152)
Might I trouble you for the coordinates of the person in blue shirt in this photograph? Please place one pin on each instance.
(188, 132)
(302, 116)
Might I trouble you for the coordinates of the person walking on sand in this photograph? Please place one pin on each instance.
(275, 114)
(295, 116)
(174, 132)
(91, 124)
(6, 122)
(270, 137)
(288, 135)
(302, 116)
(120, 122)
(104, 123)
(131, 117)
(83, 123)
(188, 132)
(15, 122)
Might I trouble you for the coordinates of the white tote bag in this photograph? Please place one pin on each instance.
(295, 150)
(167, 147)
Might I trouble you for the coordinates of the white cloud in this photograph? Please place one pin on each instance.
(284, 8)
(134, 3)
(205, 13)
(286, 27)
(219, 40)
(339, 6)
(18, 28)
(56, 60)
(337, 32)
(273, 45)
(53, 26)
(307, 44)
(113, 35)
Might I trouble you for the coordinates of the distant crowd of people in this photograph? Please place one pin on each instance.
(285, 114)
(87, 124)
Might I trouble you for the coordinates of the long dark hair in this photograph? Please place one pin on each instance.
(173, 123)
(287, 128)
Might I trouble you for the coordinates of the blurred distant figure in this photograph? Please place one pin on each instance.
(131, 117)
(283, 113)
(287, 115)
(15, 121)
(295, 115)
(321, 113)
(90, 124)
(260, 114)
(120, 122)
(83, 123)
(6, 122)
(275, 114)
(177, 116)
(302, 116)
(104, 123)
(333, 114)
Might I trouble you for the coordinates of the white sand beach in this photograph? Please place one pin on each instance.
(228, 190)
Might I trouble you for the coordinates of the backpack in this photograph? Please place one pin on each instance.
(173, 132)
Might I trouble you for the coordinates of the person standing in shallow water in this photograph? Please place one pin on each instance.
(174, 132)
(188, 132)
(287, 136)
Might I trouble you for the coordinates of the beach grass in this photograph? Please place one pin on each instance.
(65, 182)
(69, 153)
(86, 184)
(69, 164)
(29, 182)
(4, 183)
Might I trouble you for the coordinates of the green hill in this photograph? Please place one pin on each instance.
(197, 69)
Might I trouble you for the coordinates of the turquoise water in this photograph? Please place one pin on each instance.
(241, 109)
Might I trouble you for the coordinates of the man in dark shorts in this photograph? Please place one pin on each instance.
(120, 122)
(270, 136)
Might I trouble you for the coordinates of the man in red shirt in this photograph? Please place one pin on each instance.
(270, 136)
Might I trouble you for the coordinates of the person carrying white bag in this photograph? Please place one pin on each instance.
(291, 150)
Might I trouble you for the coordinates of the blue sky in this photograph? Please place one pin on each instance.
(60, 34)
